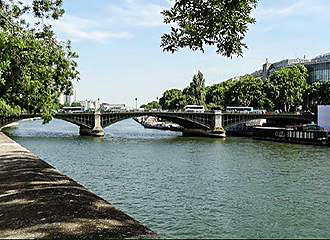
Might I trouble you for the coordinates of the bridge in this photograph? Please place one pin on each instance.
(213, 123)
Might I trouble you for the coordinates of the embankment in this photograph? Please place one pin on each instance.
(37, 201)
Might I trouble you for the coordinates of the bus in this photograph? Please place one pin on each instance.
(194, 108)
(72, 109)
(239, 109)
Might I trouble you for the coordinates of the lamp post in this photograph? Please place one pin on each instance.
(136, 103)
(159, 108)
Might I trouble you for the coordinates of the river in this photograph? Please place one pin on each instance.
(194, 187)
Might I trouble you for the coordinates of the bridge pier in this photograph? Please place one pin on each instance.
(204, 133)
(83, 131)
(98, 130)
(216, 129)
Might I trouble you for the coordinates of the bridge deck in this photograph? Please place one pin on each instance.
(207, 121)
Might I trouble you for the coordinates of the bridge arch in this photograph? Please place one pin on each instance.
(12, 119)
(86, 121)
(233, 119)
(184, 121)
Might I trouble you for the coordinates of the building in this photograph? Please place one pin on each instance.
(318, 68)
(88, 105)
(269, 68)
(113, 107)
(67, 99)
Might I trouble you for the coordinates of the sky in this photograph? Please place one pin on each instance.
(120, 59)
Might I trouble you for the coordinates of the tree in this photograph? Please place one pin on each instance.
(219, 23)
(317, 93)
(34, 67)
(247, 91)
(6, 110)
(312, 97)
(324, 93)
(76, 104)
(151, 105)
(218, 95)
(286, 87)
(214, 96)
(195, 93)
(173, 99)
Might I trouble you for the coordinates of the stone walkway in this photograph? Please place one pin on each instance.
(37, 201)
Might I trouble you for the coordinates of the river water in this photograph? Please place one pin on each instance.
(194, 187)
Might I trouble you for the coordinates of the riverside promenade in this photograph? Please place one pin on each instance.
(37, 201)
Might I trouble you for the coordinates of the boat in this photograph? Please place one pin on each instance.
(305, 134)
(154, 123)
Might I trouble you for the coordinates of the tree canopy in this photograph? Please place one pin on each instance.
(173, 99)
(286, 87)
(285, 90)
(151, 105)
(34, 67)
(316, 94)
(195, 92)
(219, 23)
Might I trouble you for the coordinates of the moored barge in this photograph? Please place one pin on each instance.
(306, 134)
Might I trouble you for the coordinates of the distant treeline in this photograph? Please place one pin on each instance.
(284, 90)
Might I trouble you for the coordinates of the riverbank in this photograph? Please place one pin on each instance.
(37, 201)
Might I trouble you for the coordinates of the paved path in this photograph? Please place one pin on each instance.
(37, 201)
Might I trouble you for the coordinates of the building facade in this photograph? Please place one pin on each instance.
(318, 68)
(269, 68)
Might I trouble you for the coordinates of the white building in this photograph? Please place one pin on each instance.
(113, 107)
(88, 105)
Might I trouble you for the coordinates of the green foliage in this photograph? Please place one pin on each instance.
(66, 104)
(6, 110)
(213, 106)
(312, 96)
(195, 93)
(34, 68)
(286, 88)
(76, 104)
(219, 23)
(324, 93)
(316, 94)
(151, 105)
(219, 94)
(173, 99)
(247, 91)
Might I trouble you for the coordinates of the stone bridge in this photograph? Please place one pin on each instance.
(232, 119)
(208, 123)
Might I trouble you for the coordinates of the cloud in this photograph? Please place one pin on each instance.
(83, 29)
(138, 13)
(302, 8)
